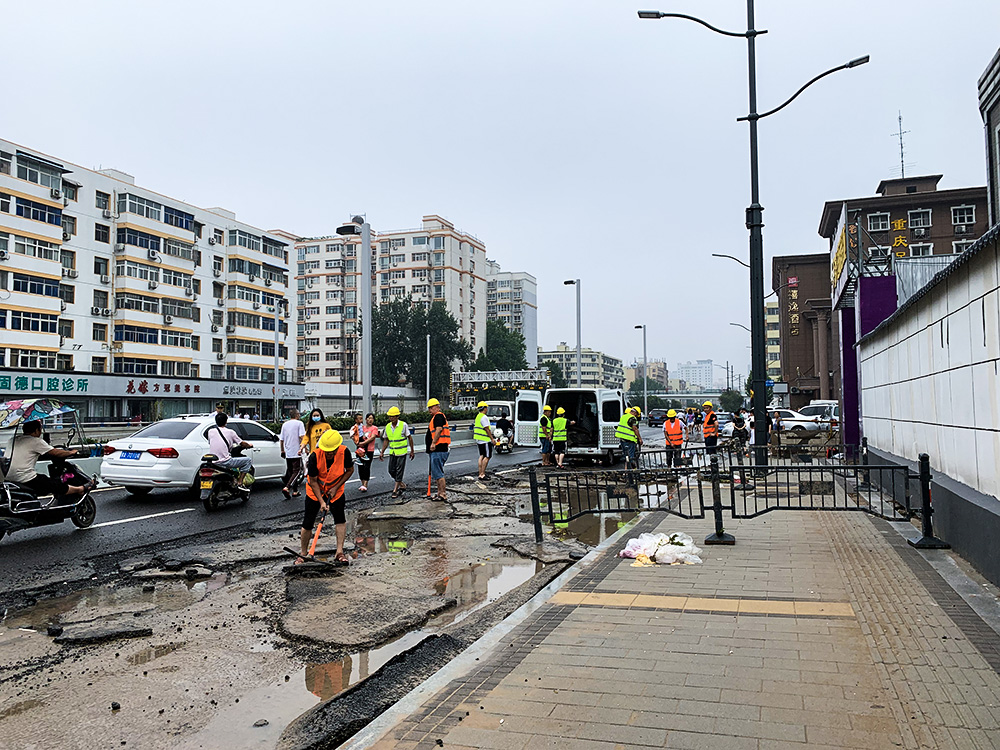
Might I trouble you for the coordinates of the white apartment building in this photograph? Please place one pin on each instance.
(512, 298)
(125, 302)
(598, 370)
(698, 374)
(432, 263)
(772, 332)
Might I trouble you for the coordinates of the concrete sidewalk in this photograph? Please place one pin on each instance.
(815, 630)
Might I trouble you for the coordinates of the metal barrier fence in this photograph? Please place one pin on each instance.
(558, 497)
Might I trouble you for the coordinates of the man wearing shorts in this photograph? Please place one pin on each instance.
(482, 433)
(438, 445)
(328, 469)
(396, 437)
(545, 435)
(560, 434)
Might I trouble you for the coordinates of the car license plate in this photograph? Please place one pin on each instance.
(131, 455)
(206, 484)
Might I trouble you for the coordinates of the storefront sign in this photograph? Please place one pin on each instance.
(841, 267)
(135, 386)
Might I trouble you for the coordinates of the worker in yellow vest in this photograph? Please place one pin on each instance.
(545, 435)
(482, 433)
(627, 433)
(560, 433)
(397, 436)
(674, 435)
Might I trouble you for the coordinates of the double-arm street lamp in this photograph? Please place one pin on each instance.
(579, 356)
(645, 373)
(754, 213)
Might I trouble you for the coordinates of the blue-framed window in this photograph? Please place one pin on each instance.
(176, 218)
(136, 334)
(129, 236)
(39, 212)
(32, 321)
(35, 285)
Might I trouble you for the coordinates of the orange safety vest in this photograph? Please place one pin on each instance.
(673, 431)
(445, 438)
(331, 468)
(711, 427)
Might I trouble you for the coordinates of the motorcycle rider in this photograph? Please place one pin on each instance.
(221, 441)
(29, 447)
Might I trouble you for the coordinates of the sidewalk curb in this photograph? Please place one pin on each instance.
(467, 660)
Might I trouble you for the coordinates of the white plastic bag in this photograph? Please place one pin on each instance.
(677, 548)
(645, 544)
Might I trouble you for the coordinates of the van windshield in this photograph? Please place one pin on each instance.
(498, 410)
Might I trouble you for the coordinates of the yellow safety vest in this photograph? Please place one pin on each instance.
(397, 438)
(559, 430)
(624, 432)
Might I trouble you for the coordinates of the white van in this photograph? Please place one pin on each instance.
(593, 413)
(497, 409)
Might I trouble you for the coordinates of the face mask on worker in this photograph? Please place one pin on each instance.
(315, 417)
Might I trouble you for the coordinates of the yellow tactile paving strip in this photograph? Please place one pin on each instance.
(704, 604)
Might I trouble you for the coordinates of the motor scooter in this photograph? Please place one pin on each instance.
(20, 508)
(220, 484)
(504, 440)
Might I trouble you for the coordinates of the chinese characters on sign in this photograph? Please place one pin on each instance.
(10, 384)
(144, 387)
(793, 305)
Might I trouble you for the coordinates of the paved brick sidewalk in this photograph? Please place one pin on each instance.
(815, 630)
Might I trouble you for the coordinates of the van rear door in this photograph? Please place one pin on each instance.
(612, 405)
(527, 415)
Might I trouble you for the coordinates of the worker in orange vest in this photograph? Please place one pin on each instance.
(674, 435)
(710, 428)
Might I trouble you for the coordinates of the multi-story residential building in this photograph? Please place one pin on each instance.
(128, 303)
(598, 370)
(512, 298)
(772, 328)
(698, 374)
(432, 263)
(656, 371)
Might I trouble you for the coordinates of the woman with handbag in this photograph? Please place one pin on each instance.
(365, 434)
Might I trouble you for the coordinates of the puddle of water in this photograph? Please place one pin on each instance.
(153, 652)
(594, 528)
(20, 707)
(169, 595)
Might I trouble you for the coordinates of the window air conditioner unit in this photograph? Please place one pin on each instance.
(73, 273)
(120, 247)
(251, 278)
(105, 279)
(230, 329)
(920, 232)
(188, 291)
(963, 229)
(168, 319)
(62, 304)
(220, 302)
(56, 194)
(106, 312)
(152, 255)
(95, 311)
(66, 236)
(212, 240)
(4, 255)
(267, 282)
(107, 214)
(220, 355)
(152, 284)
(216, 272)
(215, 328)
(256, 305)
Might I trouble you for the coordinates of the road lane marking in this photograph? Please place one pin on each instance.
(142, 518)
(456, 463)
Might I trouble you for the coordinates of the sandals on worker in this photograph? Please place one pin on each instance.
(395, 494)
(342, 559)
(286, 493)
(440, 498)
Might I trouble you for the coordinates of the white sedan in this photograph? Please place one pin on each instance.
(168, 453)
(791, 421)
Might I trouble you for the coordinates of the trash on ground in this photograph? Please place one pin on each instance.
(665, 549)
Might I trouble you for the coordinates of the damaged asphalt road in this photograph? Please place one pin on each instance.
(210, 644)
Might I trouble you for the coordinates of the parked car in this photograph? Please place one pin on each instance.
(828, 413)
(794, 421)
(656, 417)
(167, 454)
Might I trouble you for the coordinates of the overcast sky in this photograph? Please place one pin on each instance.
(570, 136)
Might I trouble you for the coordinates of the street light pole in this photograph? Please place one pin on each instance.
(579, 356)
(755, 214)
(645, 372)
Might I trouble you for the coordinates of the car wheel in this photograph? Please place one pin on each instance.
(138, 491)
(798, 428)
(85, 513)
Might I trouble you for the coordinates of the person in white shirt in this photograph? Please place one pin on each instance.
(483, 435)
(221, 441)
(292, 433)
(29, 447)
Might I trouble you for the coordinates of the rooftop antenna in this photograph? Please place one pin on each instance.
(900, 134)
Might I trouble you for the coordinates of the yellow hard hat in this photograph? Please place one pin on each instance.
(433, 402)
(393, 411)
(708, 404)
(481, 405)
(330, 440)
(637, 410)
(560, 410)
(546, 408)
(671, 414)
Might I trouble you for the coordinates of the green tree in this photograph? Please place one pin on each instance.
(556, 376)
(505, 349)
(393, 353)
(446, 347)
(730, 400)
